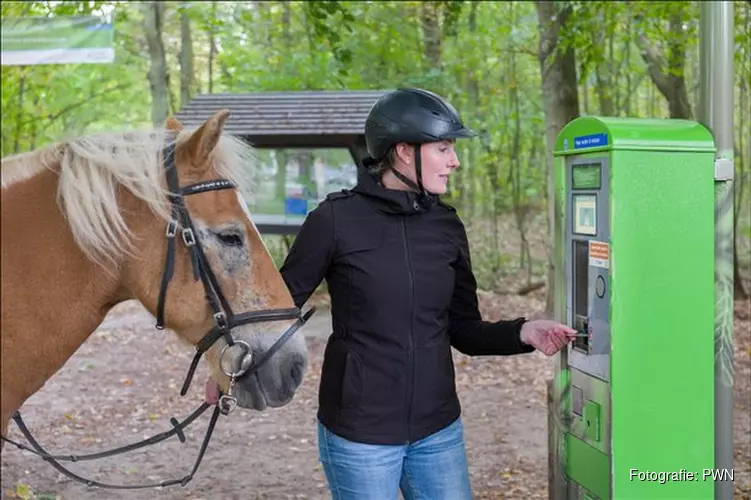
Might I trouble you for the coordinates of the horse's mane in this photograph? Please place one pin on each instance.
(92, 167)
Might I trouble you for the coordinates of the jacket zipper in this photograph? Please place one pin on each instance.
(410, 392)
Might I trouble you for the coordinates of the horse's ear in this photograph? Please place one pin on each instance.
(203, 141)
(173, 124)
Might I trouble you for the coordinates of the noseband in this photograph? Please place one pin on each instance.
(224, 318)
(224, 321)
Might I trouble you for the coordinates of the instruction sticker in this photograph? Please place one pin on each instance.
(599, 254)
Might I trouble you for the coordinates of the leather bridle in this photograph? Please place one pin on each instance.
(224, 321)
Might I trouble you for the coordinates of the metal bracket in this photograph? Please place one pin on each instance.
(723, 169)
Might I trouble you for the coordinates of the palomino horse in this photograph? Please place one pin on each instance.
(83, 229)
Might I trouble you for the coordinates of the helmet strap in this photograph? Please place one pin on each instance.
(418, 173)
(418, 168)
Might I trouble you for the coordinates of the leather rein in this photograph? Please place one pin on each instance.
(224, 321)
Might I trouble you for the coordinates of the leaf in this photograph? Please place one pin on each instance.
(24, 491)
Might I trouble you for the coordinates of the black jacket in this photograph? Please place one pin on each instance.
(402, 293)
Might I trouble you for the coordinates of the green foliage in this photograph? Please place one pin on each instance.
(327, 18)
(488, 68)
(44, 103)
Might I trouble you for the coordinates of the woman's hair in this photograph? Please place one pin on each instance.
(384, 164)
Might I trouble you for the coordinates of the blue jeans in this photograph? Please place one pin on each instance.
(432, 468)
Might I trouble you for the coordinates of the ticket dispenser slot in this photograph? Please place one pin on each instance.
(581, 296)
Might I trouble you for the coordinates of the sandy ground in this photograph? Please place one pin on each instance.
(123, 385)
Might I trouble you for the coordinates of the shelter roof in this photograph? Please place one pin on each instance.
(325, 118)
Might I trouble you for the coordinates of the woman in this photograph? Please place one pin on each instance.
(397, 264)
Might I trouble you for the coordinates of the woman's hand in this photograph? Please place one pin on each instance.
(547, 336)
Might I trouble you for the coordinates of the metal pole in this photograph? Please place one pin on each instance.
(716, 72)
(716, 113)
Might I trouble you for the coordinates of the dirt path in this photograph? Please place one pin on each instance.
(123, 385)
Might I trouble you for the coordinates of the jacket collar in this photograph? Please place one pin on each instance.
(391, 201)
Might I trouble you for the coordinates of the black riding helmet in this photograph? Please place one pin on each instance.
(414, 116)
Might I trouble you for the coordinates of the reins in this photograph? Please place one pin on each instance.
(224, 321)
(177, 429)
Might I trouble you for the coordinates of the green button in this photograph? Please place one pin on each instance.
(591, 419)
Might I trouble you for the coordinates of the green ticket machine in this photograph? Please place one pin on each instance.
(631, 406)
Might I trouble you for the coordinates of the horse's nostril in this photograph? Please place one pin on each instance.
(296, 370)
(246, 361)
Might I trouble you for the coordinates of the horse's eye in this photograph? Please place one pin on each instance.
(230, 238)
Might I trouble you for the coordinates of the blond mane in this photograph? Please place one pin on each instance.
(92, 167)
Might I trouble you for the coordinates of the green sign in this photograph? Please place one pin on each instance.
(57, 40)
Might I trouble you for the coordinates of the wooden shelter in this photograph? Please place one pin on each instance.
(290, 119)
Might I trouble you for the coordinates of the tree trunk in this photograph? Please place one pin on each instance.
(282, 157)
(19, 112)
(585, 95)
(515, 157)
(287, 24)
(34, 124)
(431, 32)
(561, 103)
(669, 75)
(466, 175)
(187, 75)
(153, 14)
(739, 291)
(212, 47)
(604, 65)
(626, 103)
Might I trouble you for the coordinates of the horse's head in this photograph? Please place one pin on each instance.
(238, 262)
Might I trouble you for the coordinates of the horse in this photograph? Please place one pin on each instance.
(84, 225)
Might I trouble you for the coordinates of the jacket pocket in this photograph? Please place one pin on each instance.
(341, 376)
(352, 381)
(434, 380)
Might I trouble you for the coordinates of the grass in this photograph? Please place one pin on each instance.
(23, 491)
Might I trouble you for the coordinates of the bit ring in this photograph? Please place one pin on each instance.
(243, 364)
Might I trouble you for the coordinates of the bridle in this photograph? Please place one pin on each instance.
(224, 321)
(224, 318)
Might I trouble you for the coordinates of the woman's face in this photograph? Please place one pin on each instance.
(439, 160)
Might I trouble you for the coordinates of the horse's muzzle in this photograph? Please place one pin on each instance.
(273, 384)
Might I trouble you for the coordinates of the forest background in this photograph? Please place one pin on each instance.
(517, 71)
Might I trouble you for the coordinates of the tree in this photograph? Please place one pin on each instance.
(560, 100)
(153, 21)
(187, 73)
(667, 67)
